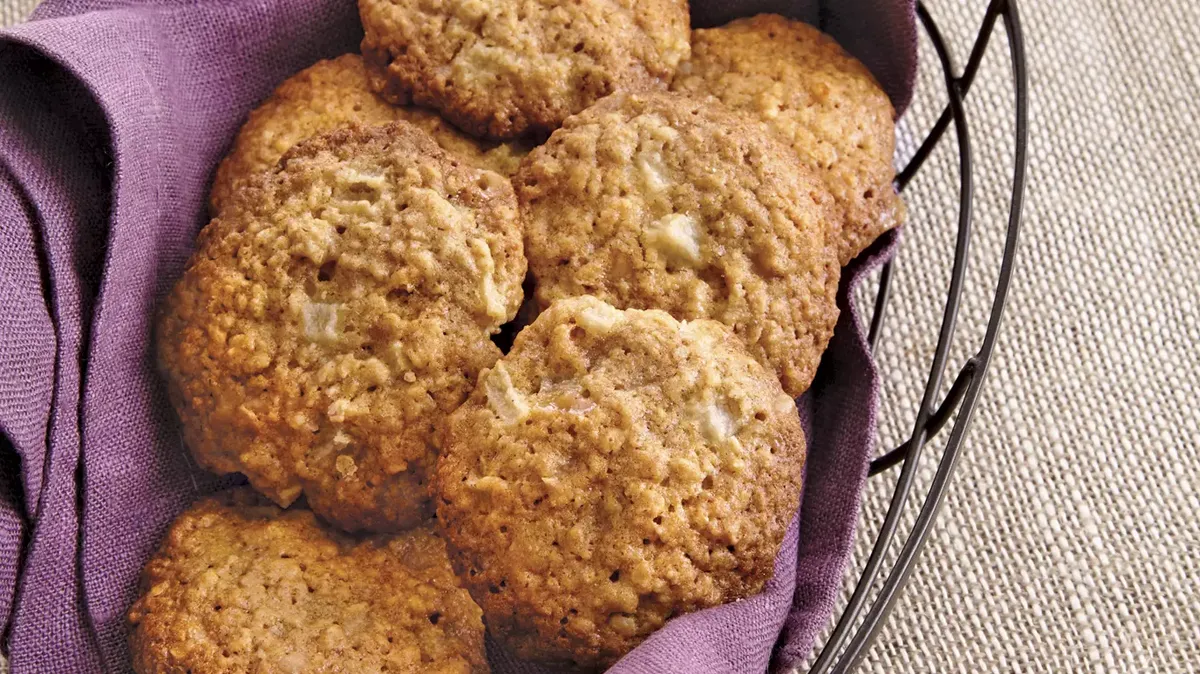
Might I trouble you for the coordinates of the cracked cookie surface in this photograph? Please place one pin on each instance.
(334, 313)
(326, 96)
(660, 201)
(239, 585)
(615, 469)
(506, 68)
(823, 101)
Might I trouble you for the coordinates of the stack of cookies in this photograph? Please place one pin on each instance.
(659, 216)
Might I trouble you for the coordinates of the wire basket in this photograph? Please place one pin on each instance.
(877, 588)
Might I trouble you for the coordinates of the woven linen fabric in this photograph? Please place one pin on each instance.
(1070, 537)
(112, 116)
(12, 11)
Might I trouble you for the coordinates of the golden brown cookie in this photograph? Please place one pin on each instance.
(824, 102)
(332, 315)
(658, 201)
(242, 586)
(615, 469)
(505, 68)
(326, 96)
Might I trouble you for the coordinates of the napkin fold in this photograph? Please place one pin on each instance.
(113, 115)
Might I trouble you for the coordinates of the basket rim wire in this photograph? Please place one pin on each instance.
(848, 644)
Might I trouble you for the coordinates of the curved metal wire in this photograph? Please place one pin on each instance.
(846, 648)
(936, 420)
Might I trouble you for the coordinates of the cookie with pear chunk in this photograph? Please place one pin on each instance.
(824, 102)
(240, 585)
(661, 201)
(613, 470)
(334, 313)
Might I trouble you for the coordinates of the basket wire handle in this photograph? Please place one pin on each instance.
(844, 650)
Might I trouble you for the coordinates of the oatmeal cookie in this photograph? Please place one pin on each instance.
(506, 68)
(242, 586)
(326, 96)
(615, 469)
(824, 102)
(659, 201)
(333, 314)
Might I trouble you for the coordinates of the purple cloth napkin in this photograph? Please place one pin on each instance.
(113, 114)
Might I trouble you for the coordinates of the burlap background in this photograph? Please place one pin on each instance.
(1070, 538)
